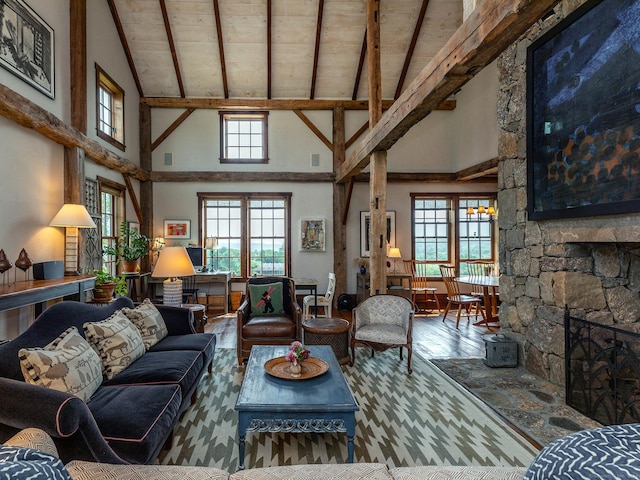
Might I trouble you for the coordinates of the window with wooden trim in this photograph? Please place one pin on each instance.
(112, 204)
(109, 109)
(243, 137)
(253, 233)
(444, 230)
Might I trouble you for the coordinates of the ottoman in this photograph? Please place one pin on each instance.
(329, 331)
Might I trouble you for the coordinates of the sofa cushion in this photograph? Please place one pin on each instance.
(266, 299)
(157, 368)
(20, 463)
(269, 326)
(457, 473)
(117, 341)
(106, 471)
(148, 321)
(136, 433)
(68, 364)
(341, 471)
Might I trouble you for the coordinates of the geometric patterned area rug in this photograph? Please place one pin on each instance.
(424, 418)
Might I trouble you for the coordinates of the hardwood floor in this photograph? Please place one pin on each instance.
(432, 337)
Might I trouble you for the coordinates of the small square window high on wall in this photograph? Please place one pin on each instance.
(243, 137)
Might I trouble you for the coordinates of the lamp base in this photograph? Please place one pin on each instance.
(172, 292)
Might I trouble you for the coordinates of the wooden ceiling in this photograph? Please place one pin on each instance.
(277, 49)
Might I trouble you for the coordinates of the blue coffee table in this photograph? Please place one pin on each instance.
(316, 405)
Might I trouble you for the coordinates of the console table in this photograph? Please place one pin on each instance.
(397, 284)
(38, 292)
(205, 281)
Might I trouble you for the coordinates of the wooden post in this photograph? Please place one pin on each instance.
(78, 63)
(378, 160)
(339, 229)
(146, 187)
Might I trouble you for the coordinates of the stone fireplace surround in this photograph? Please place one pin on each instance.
(591, 264)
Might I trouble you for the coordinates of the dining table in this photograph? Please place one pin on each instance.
(489, 285)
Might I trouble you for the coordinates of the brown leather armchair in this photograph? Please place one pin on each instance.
(268, 329)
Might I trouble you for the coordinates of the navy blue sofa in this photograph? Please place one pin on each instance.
(130, 417)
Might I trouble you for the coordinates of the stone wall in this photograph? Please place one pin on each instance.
(590, 264)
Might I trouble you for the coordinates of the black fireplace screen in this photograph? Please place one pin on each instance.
(602, 371)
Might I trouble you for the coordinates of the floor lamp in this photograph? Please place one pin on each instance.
(72, 216)
(173, 263)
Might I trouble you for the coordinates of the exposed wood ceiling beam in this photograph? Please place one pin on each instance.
(484, 169)
(134, 199)
(314, 129)
(412, 46)
(363, 56)
(172, 46)
(273, 104)
(125, 45)
(269, 49)
(172, 127)
(26, 113)
(488, 31)
(223, 63)
(316, 50)
(417, 177)
(295, 177)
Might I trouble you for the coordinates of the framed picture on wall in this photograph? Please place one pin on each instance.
(27, 46)
(177, 229)
(365, 220)
(583, 114)
(312, 234)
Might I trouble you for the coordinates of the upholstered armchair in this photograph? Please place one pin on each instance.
(382, 322)
(269, 315)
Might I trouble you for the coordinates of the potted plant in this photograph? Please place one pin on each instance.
(130, 248)
(106, 285)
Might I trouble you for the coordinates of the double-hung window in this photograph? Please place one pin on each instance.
(109, 109)
(112, 200)
(243, 137)
(252, 232)
(453, 229)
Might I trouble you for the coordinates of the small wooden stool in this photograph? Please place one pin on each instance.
(199, 317)
(329, 331)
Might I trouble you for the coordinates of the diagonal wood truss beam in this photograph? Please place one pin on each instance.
(488, 31)
(314, 129)
(412, 46)
(223, 63)
(125, 45)
(316, 51)
(172, 46)
(171, 128)
(363, 56)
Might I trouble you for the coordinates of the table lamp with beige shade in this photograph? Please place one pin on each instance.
(72, 216)
(395, 254)
(174, 262)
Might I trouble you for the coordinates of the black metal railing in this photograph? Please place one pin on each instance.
(602, 371)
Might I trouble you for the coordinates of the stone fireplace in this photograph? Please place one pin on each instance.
(590, 264)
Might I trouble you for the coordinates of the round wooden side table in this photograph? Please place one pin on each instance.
(199, 316)
(328, 331)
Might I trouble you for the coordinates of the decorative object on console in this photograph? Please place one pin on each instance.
(173, 263)
(72, 216)
(130, 247)
(5, 264)
(106, 285)
(23, 263)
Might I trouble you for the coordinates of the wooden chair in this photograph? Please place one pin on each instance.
(419, 282)
(382, 322)
(325, 301)
(455, 297)
(189, 290)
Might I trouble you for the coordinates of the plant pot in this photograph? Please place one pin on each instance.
(103, 292)
(131, 267)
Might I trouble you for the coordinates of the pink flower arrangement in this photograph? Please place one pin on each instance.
(297, 353)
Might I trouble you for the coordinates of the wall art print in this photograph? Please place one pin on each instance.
(583, 113)
(312, 234)
(177, 229)
(365, 226)
(27, 46)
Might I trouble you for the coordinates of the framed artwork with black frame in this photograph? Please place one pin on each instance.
(365, 225)
(583, 114)
(27, 47)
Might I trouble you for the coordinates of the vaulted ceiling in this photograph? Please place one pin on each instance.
(279, 49)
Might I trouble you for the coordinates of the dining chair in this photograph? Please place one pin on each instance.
(189, 290)
(325, 301)
(456, 298)
(420, 284)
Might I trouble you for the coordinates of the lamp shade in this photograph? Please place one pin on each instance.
(211, 243)
(394, 252)
(73, 215)
(174, 262)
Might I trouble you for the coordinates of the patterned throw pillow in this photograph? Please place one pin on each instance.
(19, 463)
(148, 321)
(266, 299)
(68, 364)
(117, 341)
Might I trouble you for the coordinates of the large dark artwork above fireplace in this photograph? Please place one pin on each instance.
(583, 114)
